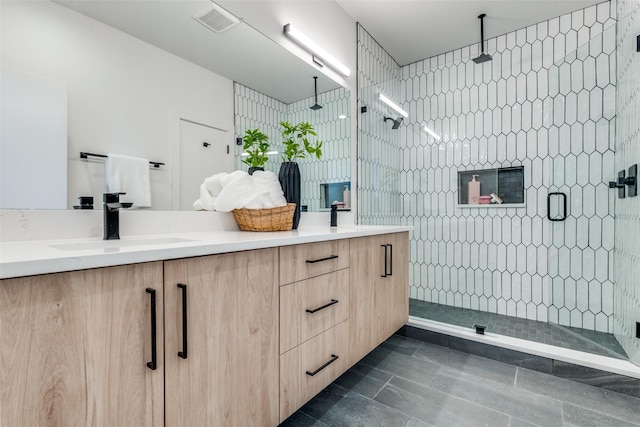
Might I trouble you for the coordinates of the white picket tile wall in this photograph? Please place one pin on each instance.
(627, 237)
(541, 103)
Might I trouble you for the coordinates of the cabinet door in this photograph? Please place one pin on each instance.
(391, 305)
(74, 348)
(230, 374)
(379, 290)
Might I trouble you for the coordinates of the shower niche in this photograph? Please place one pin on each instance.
(497, 187)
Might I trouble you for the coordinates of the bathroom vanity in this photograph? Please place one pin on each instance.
(221, 328)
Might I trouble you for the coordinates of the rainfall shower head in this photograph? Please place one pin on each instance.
(396, 122)
(315, 106)
(484, 57)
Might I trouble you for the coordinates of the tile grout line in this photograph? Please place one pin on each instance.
(515, 379)
(381, 388)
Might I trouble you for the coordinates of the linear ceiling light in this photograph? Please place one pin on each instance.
(305, 41)
(393, 105)
(432, 133)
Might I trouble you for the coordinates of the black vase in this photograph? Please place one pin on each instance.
(289, 177)
(252, 169)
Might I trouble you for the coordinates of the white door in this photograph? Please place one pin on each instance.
(204, 151)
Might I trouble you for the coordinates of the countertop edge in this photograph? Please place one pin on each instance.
(56, 261)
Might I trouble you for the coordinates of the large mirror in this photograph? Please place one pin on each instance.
(146, 79)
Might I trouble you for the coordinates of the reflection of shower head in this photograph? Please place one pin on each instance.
(396, 122)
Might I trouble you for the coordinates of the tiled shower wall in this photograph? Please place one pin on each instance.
(627, 237)
(506, 113)
(380, 147)
(256, 110)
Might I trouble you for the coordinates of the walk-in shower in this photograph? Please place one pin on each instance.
(557, 101)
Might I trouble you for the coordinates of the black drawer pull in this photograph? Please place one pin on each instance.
(313, 261)
(329, 304)
(333, 359)
(183, 353)
(154, 342)
(390, 260)
(385, 261)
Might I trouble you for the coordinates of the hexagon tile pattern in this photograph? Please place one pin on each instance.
(532, 105)
(547, 102)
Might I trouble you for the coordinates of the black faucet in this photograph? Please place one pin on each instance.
(111, 209)
(334, 215)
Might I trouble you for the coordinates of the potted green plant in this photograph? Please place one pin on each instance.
(256, 145)
(295, 139)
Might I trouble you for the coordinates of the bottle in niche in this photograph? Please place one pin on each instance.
(346, 197)
(473, 194)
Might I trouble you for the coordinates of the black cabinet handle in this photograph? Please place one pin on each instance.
(333, 359)
(564, 207)
(154, 338)
(385, 261)
(390, 260)
(313, 261)
(329, 304)
(183, 353)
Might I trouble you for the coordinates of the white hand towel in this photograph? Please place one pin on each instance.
(125, 174)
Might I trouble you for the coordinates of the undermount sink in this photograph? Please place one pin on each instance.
(112, 244)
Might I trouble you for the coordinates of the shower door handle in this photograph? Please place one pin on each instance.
(564, 207)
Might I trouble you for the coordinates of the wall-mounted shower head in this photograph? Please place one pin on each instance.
(396, 122)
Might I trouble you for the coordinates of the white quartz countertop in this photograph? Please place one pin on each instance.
(28, 258)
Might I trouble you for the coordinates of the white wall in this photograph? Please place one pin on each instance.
(124, 95)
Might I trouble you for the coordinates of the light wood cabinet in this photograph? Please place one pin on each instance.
(310, 367)
(312, 306)
(379, 290)
(230, 374)
(74, 348)
(299, 262)
(242, 339)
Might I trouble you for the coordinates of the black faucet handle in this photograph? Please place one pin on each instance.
(111, 197)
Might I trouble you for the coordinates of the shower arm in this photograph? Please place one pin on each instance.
(481, 17)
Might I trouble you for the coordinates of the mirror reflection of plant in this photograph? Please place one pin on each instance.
(256, 145)
(296, 141)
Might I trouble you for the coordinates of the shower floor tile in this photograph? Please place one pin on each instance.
(547, 333)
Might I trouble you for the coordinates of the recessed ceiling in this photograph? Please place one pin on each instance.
(412, 30)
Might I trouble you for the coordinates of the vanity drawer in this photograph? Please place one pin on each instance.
(312, 306)
(310, 367)
(299, 262)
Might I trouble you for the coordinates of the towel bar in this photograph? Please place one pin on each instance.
(84, 155)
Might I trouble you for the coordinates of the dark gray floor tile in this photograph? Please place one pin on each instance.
(424, 335)
(436, 408)
(337, 407)
(401, 365)
(457, 363)
(413, 422)
(516, 422)
(299, 419)
(503, 398)
(517, 358)
(364, 380)
(577, 416)
(401, 345)
(595, 377)
(596, 399)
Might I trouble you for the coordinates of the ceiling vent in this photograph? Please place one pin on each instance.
(216, 19)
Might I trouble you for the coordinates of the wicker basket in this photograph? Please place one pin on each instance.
(273, 219)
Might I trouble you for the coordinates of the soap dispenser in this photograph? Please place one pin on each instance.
(474, 191)
(334, 215)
